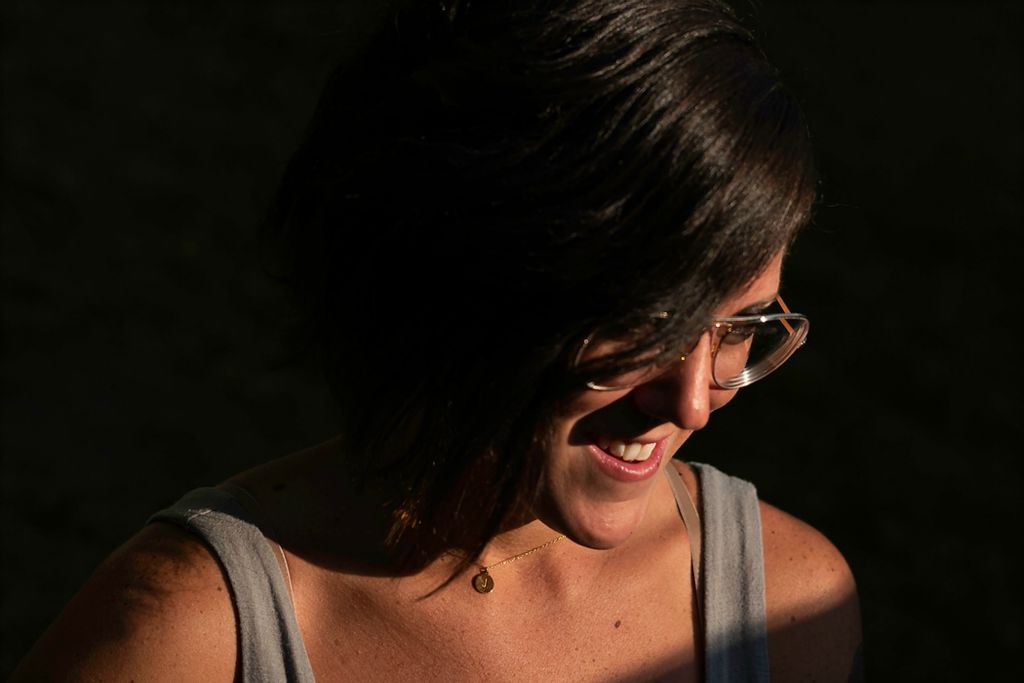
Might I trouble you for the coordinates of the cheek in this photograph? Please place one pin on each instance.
(719, 397)
(583, 411)
(588, 402)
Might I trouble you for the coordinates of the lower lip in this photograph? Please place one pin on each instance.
(619, 469)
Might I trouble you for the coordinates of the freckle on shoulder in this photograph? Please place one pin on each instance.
(800, 562)
(811, 601)
(162, 587)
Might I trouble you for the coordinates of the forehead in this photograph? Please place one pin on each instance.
(762, 288)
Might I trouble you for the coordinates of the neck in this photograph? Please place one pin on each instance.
(423, 549)
(512, 542)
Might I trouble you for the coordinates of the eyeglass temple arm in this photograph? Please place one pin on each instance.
(785, 309)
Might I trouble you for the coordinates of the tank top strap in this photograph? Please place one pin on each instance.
(271, 646)
(691, 520)
(732, 573)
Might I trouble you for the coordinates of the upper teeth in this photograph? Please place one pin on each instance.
(630, 452)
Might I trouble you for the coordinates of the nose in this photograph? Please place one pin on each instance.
(682, 394)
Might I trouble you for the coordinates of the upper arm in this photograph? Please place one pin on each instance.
(157, 610)
(814, 631)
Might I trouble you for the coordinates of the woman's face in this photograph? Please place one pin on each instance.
(599, 499)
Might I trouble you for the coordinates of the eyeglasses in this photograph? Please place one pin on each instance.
(744, 349)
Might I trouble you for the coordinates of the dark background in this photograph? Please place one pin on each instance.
(141, 142)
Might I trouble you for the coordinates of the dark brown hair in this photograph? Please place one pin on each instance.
(491, 181)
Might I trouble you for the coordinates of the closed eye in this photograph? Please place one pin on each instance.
(739, 334)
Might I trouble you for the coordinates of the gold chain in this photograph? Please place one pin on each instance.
(531, 551)
(484, 583)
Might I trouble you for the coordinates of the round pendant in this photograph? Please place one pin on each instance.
(482, 582)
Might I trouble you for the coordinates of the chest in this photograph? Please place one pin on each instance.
(607, 628)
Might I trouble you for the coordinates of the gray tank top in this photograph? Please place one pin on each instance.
(728, 571)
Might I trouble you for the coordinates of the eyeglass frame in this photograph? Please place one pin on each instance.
(743, 379)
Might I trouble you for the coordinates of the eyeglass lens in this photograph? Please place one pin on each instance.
(743, 352)
(748, 351)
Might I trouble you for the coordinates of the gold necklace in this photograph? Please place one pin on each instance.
(483, 582)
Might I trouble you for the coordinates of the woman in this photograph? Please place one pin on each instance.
(537, 244)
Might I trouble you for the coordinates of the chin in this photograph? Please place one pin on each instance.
(600, 525)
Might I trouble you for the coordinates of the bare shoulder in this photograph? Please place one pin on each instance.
(814, 631)
(158, 609)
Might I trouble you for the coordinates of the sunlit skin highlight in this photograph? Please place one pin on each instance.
(617, 584)
(575, 497)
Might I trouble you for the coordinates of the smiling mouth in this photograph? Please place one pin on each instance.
(629, 451)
